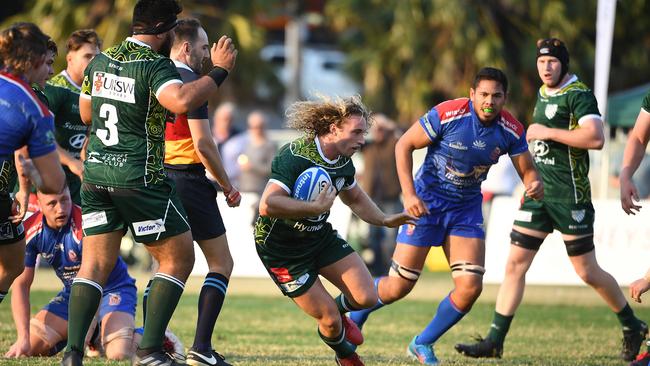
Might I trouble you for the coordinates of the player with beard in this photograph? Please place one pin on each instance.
(126, 94)
(566, 124)
(189, 151)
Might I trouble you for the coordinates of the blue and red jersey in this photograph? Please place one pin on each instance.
(24, 120)
(62, 250)
(462, 150)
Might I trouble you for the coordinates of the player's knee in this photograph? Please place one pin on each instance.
(118, 345)
(525, 241)
(330, 320)
(401, 281)
(579, 246)
(47, 337)
(468, 278)
(11, 269)
(365, 299)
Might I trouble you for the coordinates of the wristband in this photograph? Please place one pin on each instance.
(218, 74)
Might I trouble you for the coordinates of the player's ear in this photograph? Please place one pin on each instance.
(471, 93)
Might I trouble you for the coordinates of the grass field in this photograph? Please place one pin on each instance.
(554, 326)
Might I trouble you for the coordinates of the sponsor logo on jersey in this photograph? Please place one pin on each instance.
(524, 216)
(93, 219)
(309, 228)
(114, 299)
(114, 87)
(458, 145)
(72, 255)
(148, 227)
(5, 231)
(478, 144)
(410, 229)
(540, 148)
(77, 141)
(296, 284)
(578, 215)
(550, 110)
(339, 183)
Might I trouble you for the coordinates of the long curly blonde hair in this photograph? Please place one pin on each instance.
(314, 118)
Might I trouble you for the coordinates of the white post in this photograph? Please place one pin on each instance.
(604, 35)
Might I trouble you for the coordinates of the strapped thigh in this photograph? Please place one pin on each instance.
(525, 241)
(463, 268)
(43, 331)
(409, 274)
(579, 246)
(125, 332)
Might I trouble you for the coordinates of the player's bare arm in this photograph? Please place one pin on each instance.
(634, 152)
(525, 167)
(85, 109)
(21, 199)
(20, 310)
(44, 172)
(75, 165)
(181, 98)
(367, 210)
(588, 136)
(275, 202)
(414, 138)
(208, 152)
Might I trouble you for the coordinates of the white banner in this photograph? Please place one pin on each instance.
(622, 245)
(239, 230)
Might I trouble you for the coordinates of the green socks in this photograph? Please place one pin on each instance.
(164, 294)
(499, 328)
(339, 344)
(627, 319)
(85, 296)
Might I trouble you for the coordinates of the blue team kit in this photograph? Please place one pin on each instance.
(461, 152)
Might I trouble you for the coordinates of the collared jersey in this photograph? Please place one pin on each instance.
(293, 159)
(62, 250)
(63, 100)
(127, 140)
(564, 169)
(24, 120)
(462, 150)
(180, 152)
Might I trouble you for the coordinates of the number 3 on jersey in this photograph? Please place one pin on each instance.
(108, 136)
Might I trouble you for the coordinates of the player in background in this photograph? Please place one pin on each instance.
(24, 121)
(566, 124)
(294, 240)
(463, 137)
(127, 92)
(634, 152)
(189, 151)
(62, 93)
(54, 233)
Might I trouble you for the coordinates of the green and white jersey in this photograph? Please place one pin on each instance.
(646, 103)
(63, 100)
(292, 159)
(564, 169)
(127, 140)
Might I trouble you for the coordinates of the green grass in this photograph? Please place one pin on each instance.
(554, 326)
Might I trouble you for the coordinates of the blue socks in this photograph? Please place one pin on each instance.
(446, 316)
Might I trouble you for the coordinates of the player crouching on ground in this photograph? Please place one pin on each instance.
(55, 234)
(294, 240)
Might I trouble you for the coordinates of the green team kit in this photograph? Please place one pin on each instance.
(124, 178)
(63, 100)
(646, 103)
(567, 203)
(293, 250)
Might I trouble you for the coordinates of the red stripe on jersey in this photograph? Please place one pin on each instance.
(509, 122)
(178, 130)
(33, 226)
(15, 80)
(75, 223)
(452, 109)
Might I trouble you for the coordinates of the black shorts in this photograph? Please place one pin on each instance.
(199, 197)
(9, 232)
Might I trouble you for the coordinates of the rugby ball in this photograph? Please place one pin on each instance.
(310, 183)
